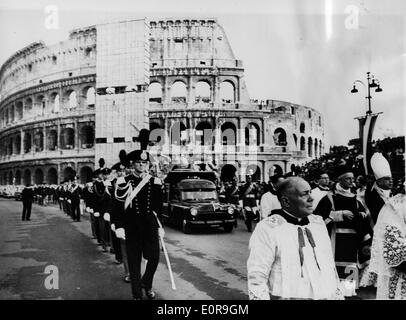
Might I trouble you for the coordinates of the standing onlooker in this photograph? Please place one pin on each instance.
(269, 200)
(290, 253)
(321, 189)
(28, 197)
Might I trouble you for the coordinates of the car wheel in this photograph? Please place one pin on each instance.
(185, 227)
(228, 228)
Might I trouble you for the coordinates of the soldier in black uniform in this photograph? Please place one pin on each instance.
(75, 195)
(249, 196)
(138, 224)
(27, 196)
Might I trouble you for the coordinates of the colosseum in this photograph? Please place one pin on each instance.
(63, 106)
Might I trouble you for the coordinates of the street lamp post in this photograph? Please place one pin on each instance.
(371, 84)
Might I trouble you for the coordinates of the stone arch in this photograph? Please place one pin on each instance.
(39, 141)
(28, 107)
(302, 144)
(19, 110)
(40, 105)
(202, 91)
(280, 137)
(69, 173)
(86, 174)
(38, 176)
(67, 138)
(52, 176)
(302, 127)
(179, 92)
(12, 113)
(6, 116)
(90, 95)
(27, 177)
(178, 133)
(204, 133)
(55, 102)
(70, 98)
(10, 177)
(155, 92)
(17, 144)
(227, 92)
(27, 142)
(18, 177)
(87, 136)
(52, 140)
(10, 146)
(252, 135)
(310, 147)
(228, 134)
(315, 147)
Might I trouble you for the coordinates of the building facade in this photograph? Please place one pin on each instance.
(194, 98)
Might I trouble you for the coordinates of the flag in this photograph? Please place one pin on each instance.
(366, 129)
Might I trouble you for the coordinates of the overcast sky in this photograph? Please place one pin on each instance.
(306, 52)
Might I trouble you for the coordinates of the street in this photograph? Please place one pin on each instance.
(207, 265)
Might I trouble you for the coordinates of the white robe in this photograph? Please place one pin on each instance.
(389, 249)
(269, 202)
(274, 264)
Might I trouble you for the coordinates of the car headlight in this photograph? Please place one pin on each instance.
(230, 210)
(193, 211)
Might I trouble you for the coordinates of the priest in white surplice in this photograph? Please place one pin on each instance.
(290, 251)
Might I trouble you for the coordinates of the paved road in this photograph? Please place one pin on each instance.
(208, 265)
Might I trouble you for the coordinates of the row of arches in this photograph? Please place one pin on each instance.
(34, 141)
(314, 146)
(39, 176)
(203, 91)
(204, 134)
(42, 104)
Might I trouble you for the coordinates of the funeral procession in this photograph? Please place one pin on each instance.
(231, 151)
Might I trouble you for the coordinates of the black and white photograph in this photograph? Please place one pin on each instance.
(213, 152)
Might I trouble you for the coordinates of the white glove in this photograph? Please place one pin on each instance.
(96, 214)
(69, 201)
(161, 232)
(113, 227)
(106, 216)
(120, 233)
(87, 209)
(91, 210)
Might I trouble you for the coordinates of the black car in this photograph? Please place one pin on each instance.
(191, 200)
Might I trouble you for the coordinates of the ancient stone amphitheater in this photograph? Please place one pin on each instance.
(52, 125)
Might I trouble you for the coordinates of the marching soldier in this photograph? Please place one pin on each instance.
(99, 190)
(75, 195)
(89, 198)
(249, 193)
(142, 196)
(117, 209)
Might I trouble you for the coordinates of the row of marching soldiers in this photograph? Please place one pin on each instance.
(125, 207)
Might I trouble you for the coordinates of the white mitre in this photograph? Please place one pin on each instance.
(380, 166)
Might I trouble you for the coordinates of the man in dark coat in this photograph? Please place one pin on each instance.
(27, 197)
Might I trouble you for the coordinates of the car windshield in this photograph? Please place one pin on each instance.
(199, 195)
